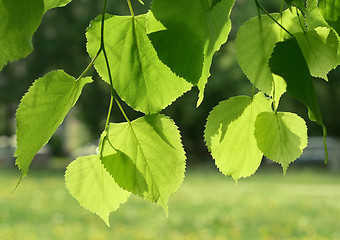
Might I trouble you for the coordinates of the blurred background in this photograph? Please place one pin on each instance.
(302, 205)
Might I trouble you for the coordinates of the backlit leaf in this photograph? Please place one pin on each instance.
(288, 62)
(229, 135)
(42, 110)
(281, 136)
(152, 143)
(255, 42)
(93, 187)
(124, 171)
(139, 77)
(195, 30)
(319, 48)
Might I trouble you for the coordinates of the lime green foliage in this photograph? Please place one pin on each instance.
(125, 173)
(139, 77)
(153, 147)
(279, 88)
(314, 17)
(319, 48)
(42, 110)
(230, 137)
(255, 42)
(195, 30)
(19, 20)
(49, 4)
(281, 136)
(330, 10)
(288, 62)
(93, 187)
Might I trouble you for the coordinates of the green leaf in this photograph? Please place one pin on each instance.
(281, 136)
(49, 4)
(314, 18)
(153, 145)
(319, 48)
(288, 62)
(298, 3)
(255, 42)
(125, 172)
(229, 135)
(330, 10)
(93, 187)
(42, 110)
(195, 30)
(279, 88)
(139, 77)
(19, 20)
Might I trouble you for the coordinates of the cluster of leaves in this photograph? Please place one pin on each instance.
(152, 59)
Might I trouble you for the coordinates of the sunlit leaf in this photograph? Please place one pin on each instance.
(255, 42)
(288, 62)
(139, 77)
(195, 30)
(93, 187)
(42, 110)
(281, 136)
(153, 146)
(319, 48)
(229, 135)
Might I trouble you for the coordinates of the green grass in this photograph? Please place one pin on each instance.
(301, 205)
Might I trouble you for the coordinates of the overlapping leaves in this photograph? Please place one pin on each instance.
(145, 157)
(139, 77)
(229, 135)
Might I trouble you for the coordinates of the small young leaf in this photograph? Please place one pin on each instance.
(281, 136)
(288, 62)
(139, 77)
(42, 110)
(93, 187)
(152, 143)
(19, 19)
(229, 135)
(319, 48)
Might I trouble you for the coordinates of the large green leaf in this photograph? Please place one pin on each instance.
(255, 42)
(153, 146)
(229, 134)
(195, 30)
(93, 187)
(319, 48)
(42, 110)
(19, 19)
(288, 62)
(281, 136)
(139, 77)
